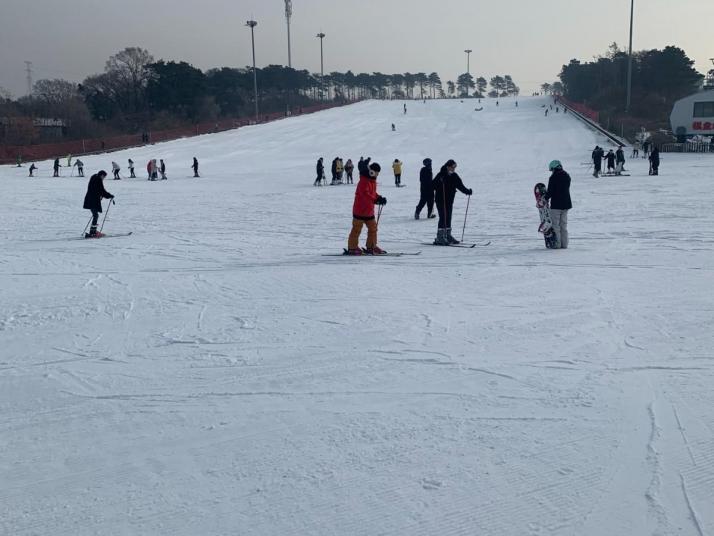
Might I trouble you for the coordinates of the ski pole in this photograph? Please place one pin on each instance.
(465, 215)
(111, 202)
(379, 213)
(86, 226)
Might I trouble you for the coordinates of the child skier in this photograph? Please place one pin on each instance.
(93, 201)
(366, 197)
(397, 168)
(445, 185)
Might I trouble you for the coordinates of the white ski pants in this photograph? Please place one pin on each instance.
(560, 226)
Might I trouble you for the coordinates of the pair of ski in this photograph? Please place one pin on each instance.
(402, 253)
(109, 235)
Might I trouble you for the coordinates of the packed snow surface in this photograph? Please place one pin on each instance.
(214, 374)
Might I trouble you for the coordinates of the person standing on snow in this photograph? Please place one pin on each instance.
(333, 170)
(131, 169)
(654, 161)
(93, 200)
(320, 168)
(426, 176)
(195, 167)
(162, 168)
(33, 167)
(397, 168)
(349, 168)
(445, 185)
(115, 171)
(366, 197)
(597, 157)
(80, 167)
(560, 203)
(339, 169)
(56, 167)
(620, 160)
(610, 157)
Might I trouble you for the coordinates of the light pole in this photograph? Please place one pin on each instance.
(629, 62)
(288, 14)
(468, 58)
(252, 24)
(322, 65)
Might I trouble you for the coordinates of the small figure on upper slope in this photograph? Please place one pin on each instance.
(445, 185)
(349, 168)
(93, 200)
(80, 167)
(56, 167)
(33, 167)
(654, 162)
(320, 168)
(162, 168)
(131, 169)
(366, 197)
(115, 170)
(559, 195)
(195, 167)
(405, 108)
(393, 128)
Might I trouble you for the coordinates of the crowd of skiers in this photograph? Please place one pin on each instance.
(153, 169)
(616, 160)
(340, 169)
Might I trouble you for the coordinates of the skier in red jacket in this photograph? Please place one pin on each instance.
(366, 197)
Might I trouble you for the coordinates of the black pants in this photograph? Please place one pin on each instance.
(655, 169)
(56, 173)
(95, 218)
(397, 179)
(195, 171)
(598, 166)
(445, 211)
(132, 176)
(426, 199)
(349, 177)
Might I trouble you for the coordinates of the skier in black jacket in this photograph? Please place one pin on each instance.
(426, 176)
(93, 200)
(597, 157)
(445, 185)
(560, 203)
(610, 157)
(620, 160)
(320, 168)
(654, 161)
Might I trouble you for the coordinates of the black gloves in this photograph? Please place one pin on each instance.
(469, 191)
(380, 200)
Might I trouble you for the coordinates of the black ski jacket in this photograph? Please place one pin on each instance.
(95, 194)
(597, 155)
(620, 156)
(445, 187)
(320, 168)
(654, 157)
(426, 176)
(559, 190)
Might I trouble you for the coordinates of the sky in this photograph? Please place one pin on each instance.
(527, 39)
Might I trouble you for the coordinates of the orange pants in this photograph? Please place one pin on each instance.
(353, 240)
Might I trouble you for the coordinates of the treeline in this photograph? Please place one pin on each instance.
(659, 78)
(136, 93)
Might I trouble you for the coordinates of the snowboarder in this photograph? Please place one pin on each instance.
(559, 195)
(131, 169)
(654, 161)
(80, 167)
(397, 168)
(620, 160)
(195, 167)
(162, 168)
(93, 200)
(366, 197)
(33, 167)
(115, 170)
(349, 168)
(597, 156)
(320, 173)
(445, 185)
(610, 157)
(56, 167)
(426, 176)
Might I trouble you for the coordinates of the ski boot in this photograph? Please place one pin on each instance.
(441, 239)
(431, 216)
(356, 252)
(376, 250)
(450, 238)
(416, 214)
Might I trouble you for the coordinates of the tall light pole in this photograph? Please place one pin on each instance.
(252, 24)
(468, 58)
(322, 65)
(629, 62)
(288, 14)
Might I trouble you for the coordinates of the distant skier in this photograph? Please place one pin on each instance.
(320, 168)
(397, 168)
(559, 195)
(93, 200)
(131, 169)
(546, 112)
(195, 167)
(394, 129)
(366, 197)
(610, 158)
(33, 167)
(654, 161)
(597, 155)
(405, 108)
(56, 167)
(620, 160)
(646, 149)
(349, 168)
(339, 169)
(635, 150)
(153, 170)
(445, 185)
(80, 167)
(426, 190)
(115, 170)
(333, 170)
(162, 168)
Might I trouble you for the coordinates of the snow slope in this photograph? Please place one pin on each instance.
(214, 374)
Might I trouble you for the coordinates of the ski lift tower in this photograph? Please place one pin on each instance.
(288, 14)
(709, 81)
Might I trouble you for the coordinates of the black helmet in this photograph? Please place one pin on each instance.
(427, 162)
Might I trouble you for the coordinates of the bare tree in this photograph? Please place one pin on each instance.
(130, 68)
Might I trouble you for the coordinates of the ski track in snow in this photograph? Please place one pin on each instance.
(213, 373)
